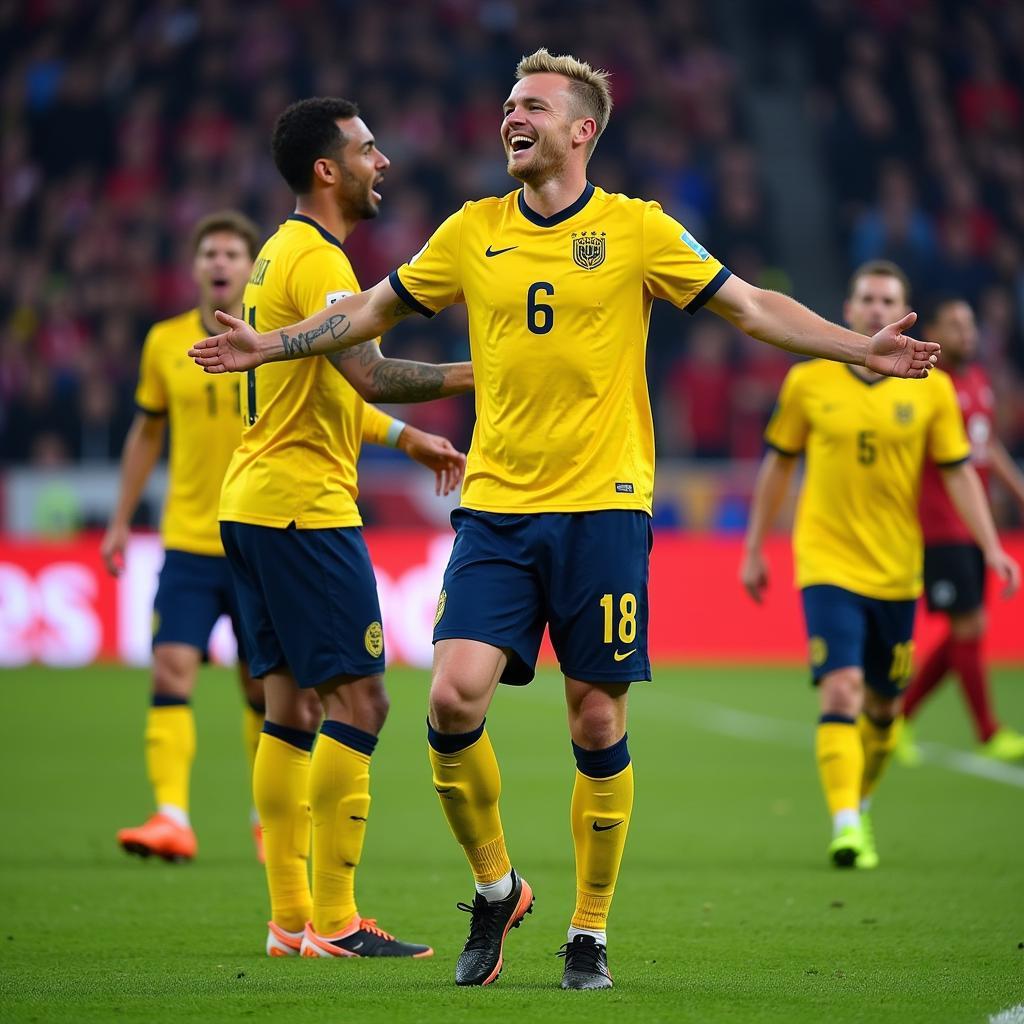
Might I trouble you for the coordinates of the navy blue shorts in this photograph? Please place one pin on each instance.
(308, 601)
(845, 629)
(193, 592)
(583, 574)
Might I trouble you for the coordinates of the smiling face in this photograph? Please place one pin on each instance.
(542, 131)
(361, 169)
(220, 269)
(876, 301)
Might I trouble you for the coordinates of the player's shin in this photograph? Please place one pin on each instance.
(468, 785)
(840, 757)
(602, 802)
(339, 796)
(280, 786)
(170, 750)
(879, 739)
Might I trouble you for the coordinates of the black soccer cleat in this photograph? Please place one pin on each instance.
(586, 964)
(481, 958)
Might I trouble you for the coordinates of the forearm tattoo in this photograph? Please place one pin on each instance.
(301, 344)
(399, 380)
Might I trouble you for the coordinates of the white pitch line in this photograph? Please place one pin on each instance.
(1011, 1015)
(749, 725)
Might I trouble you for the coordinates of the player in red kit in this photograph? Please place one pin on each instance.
(954, 570)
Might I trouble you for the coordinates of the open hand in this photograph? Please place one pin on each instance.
(234, 351)
(894, 354)
(1007, 569)
(436, 453)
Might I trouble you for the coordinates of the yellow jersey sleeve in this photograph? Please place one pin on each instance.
(676, 266)
(151, 391)
(375, 425)
(432, 279)
(948, 444)
(319, 278)
(788, 427)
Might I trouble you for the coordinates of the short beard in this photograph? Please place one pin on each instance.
(546, 164)
(356, 200)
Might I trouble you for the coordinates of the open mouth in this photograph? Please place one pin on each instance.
(220, 282)
(374, 191)
(520, 143)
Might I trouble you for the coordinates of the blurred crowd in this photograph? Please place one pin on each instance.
(124, 123)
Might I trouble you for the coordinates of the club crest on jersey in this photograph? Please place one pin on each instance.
(904, 413)
(588, 249)
(373, 639)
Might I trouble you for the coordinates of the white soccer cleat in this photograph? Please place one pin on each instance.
(282, 943)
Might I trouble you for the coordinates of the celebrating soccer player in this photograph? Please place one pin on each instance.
(291, 529)
(954, 566)
(558, 278)
(195, 588)
(857, 542)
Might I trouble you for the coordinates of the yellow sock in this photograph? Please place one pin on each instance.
(170, 749)
(280, 789)
(252, 726)
(840, 762)
(468, 785)
(600, 820)
(339, 796)
(878, 743)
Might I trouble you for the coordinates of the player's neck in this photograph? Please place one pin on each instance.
(865, 374)
(553, 196)
(325, 212)
(210, 322)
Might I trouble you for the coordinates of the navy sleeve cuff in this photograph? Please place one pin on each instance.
(407, 296)
(954, 463)
(708, 290)
(781, 451)
(150, 412)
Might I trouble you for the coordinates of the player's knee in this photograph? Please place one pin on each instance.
(310, 711)
(596, 727)
(173, 672)
(842, 692)
(452, 708)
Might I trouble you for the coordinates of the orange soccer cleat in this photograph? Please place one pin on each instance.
(361, 937)
(281, 942)
(160, 836)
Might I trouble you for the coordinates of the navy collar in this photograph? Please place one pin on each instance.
(563, 215)
(866, 383)
(324, 233)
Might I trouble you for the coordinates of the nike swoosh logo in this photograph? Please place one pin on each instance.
(605, 828)
(355, 817)
(448, 790)
(498, 252)
(623, 657)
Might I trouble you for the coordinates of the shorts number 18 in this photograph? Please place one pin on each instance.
(627, 618)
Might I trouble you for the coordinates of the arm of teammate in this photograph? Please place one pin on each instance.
(350, 321)
(142, 448)
(968, 497)
(770, 489)
(783, 322)
(431, 450)
(379, 379)
(1006, 470)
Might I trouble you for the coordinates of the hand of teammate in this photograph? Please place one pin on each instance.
(115, 540)
(894, 354)
(754, 575)
(1006, 568)
(436, 453)
(234, 351)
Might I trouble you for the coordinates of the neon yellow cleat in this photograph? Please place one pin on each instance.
(907, 751)
(867, 859)
(1004, 745)
(847, 846)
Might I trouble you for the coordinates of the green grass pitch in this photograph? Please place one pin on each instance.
(726, 909)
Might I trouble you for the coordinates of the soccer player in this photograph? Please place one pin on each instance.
(558, 279)
(857, 542)
(291, 530)
(204, 417)
(954, 566)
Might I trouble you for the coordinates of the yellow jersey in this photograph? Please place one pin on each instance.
(558, 314)
(203, 414)
(296, 462)
(865, 444)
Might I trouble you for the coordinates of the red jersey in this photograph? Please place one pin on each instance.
(940, 521)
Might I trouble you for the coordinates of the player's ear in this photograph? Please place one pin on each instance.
(586, 129)
(325, 170)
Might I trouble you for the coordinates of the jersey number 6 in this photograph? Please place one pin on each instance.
(540, 317)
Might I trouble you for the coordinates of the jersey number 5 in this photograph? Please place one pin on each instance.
(540, 317)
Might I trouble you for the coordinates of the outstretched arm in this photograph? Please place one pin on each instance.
(968, 496)
(1006, 470)
(348, 322)
(782, 321)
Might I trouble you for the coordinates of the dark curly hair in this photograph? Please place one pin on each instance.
(304, 133)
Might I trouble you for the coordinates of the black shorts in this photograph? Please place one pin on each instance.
(954, 578)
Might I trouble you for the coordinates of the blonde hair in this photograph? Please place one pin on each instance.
(592, 96)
